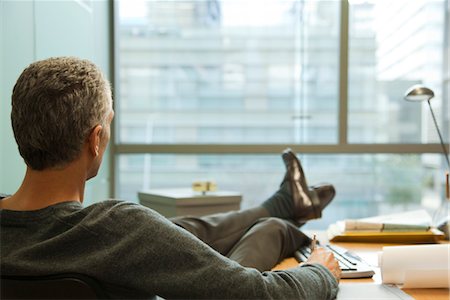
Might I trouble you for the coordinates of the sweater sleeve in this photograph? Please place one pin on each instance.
(155, 257)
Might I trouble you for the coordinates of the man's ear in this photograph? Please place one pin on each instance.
(94, 140)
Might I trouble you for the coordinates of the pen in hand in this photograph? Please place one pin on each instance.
(323, 257)
(313, 243)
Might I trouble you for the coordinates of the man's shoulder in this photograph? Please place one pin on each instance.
(117, 219)
(120, 212)
(119, 205)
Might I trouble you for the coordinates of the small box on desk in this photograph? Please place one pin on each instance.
(184, 201)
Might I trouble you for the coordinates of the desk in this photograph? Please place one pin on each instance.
(368, 252)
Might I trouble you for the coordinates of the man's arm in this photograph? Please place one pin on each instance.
(166, 260)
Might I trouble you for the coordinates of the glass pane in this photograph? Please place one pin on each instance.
(394, 45)
(228, 71)
(366, 185)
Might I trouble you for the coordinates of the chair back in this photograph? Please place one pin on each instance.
(64, 286)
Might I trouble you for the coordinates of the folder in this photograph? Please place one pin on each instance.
(410, 237)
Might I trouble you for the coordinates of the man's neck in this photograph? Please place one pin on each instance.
(41, 189)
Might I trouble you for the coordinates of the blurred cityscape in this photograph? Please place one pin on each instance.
(267, 72)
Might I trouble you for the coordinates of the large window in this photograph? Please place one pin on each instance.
(209, 89)
(229, 72)
(392, 46)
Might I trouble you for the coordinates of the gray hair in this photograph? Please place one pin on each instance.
(56, 103)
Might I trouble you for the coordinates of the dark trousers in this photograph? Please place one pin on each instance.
(250, 237)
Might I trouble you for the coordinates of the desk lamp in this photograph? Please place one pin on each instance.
(418, 93)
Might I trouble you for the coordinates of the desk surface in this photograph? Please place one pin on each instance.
(368, 252)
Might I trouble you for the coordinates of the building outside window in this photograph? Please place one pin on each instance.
(209, 89)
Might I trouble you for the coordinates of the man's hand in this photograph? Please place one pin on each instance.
(326, 258)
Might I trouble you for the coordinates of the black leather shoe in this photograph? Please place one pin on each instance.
(308, 201)
(325, 192)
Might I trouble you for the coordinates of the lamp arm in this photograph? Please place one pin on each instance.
(440, 136)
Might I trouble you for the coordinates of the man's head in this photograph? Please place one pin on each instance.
(57, 105)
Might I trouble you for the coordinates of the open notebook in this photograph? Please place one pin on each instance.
(407, 227)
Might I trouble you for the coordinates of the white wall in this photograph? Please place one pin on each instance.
(35, 29)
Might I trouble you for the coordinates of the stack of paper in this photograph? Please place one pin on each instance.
(407, 227)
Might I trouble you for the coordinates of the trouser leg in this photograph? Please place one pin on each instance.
(223, 230)
(249, 237)
(266, 243)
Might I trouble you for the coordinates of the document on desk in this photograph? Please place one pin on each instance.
(361, 291)
(418, 266)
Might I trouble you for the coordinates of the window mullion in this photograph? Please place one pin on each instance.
(343, 74)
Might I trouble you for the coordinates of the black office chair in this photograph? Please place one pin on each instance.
(64, 286)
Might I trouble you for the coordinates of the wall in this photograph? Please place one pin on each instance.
(36, 29)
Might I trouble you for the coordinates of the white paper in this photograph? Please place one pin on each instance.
(415, 278)
(415, 217)
(370, 291)
(419, 266)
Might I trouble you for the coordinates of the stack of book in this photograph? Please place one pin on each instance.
(408, 227)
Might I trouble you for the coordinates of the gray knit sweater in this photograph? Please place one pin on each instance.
(137, 253)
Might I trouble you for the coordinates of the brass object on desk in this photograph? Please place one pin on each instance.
(204, 186)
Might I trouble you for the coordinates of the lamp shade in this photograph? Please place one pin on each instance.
(418, 93)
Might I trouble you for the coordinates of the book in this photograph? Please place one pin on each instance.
(407, 227)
